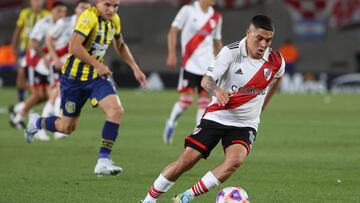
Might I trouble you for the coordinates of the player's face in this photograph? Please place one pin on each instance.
(209, 2)
(58, 12)
(257, 41)
(37, 4)
(107, 8)
(81, 7)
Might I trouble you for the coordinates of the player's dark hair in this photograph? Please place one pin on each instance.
(58, 3)
(263, 22)
(81, 1)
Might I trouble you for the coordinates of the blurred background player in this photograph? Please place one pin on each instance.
(85, 76)
(24, 25)
(38, 63)
(57, 42)
(200, 27)
(291, 55)
(248, 73)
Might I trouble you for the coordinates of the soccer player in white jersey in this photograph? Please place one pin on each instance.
(57, 42)
(200, 27)
(38, 62)
(248, 73)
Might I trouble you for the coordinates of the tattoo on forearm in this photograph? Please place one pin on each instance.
(210, 85)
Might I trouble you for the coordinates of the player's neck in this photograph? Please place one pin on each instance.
(204, 6)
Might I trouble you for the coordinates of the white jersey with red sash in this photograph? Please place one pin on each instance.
(199, 30)
(40, 30)
(61, 34)
(247, 80)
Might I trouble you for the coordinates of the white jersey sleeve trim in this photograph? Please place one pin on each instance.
(281, 71)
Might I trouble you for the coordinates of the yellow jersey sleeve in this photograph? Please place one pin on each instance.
(86, 22)
(117, 25)
(22, 17)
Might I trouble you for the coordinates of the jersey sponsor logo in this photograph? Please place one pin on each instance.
(70, 107)
(234, 45)
(248, 90)
(267, 74)
(99, 49)
(85, 21)
(211, 69)
(239, 71)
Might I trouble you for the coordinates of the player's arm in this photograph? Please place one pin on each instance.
(273, 88)
(123, 50)
(171, 60)
(218, 44)
(275, 84)
(54, 57)
(209, 84)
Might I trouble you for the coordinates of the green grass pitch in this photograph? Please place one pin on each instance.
(307, 150)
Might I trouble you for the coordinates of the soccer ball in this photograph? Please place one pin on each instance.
(232, 195)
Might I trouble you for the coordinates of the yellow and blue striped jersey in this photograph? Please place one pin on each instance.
(27, 19)
(99, 34)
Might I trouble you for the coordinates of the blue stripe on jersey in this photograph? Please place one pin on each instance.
(105, 33)
(79, 71)
(91, 72)
(69, 66)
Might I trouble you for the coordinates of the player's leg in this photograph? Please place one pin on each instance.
(186, 97)
(73, 97)
(171, 173)
(21, 83)
(237, 144)
(48, 110)
(198, 145)
(104, 96)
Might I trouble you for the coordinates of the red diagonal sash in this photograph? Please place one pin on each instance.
(258, 81)
(199, 37)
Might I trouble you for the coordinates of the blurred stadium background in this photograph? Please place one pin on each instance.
(308, 148)
(324, 31)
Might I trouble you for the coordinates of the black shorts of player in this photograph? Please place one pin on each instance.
(189, 82)
(37, 80)
(209, 133)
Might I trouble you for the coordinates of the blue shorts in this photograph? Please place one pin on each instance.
(74, 93)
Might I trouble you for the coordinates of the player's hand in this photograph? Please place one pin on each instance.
(140, 77)
(222, 96)
(102, 70)
(171, 61)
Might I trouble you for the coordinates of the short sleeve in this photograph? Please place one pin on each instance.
(21, 19)
(281, 71)
(221, 64)
(86, 22)
(58, 28)
(181, 17)
(117, 25)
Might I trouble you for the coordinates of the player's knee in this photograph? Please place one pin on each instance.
(115, 113)
(203, 102)
(234, 163)
(185, 101)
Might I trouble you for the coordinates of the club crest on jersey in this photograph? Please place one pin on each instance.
(267, 74)
(70, 107)
(85, 21)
